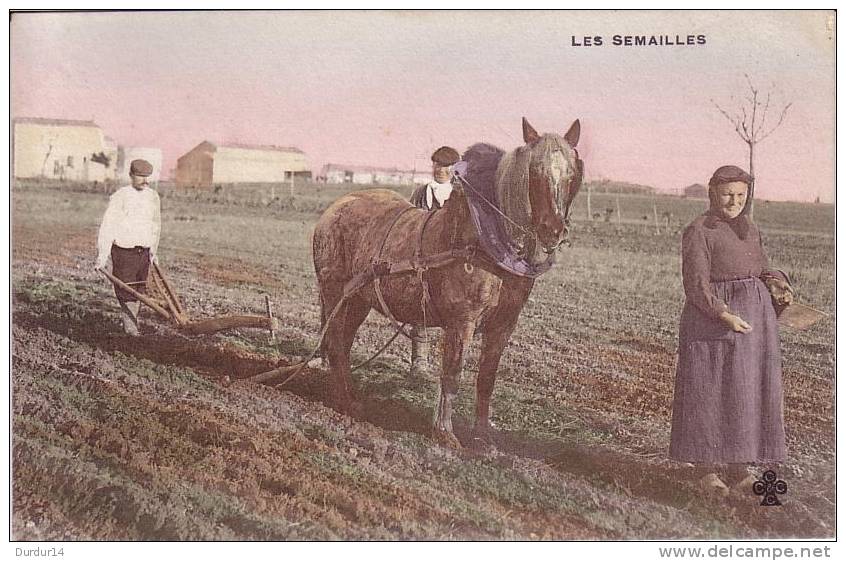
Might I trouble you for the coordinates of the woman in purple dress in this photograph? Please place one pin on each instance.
(727, 405)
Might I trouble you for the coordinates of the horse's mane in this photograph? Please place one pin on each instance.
(482, 162)
(509, 174)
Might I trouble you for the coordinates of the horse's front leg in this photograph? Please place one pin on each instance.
(455, 340)
(493, 344)
(497, 331)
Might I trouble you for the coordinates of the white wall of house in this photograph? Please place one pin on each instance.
(57, 149)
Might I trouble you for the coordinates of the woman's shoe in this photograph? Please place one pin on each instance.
(744, 486)
(713, 486)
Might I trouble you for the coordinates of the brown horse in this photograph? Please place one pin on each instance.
(464, 294)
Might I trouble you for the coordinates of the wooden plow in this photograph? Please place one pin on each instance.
(162, 299)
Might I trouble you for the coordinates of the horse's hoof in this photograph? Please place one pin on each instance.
(419, 369)
(352, 409)
(349, 407)
(446, 439)
(483, 447)
(356, 409)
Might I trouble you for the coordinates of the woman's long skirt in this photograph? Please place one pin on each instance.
(728, 404)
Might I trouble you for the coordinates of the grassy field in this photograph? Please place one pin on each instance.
(121, 439)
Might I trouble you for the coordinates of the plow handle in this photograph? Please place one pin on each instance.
(149, 302)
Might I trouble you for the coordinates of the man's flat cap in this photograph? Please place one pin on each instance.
(445, 156)
(729, 174)
(141, 168)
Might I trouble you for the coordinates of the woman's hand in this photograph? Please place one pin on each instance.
(736, 323)
(781, 292)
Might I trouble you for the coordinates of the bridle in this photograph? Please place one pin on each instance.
(467, 185)
(573, 186)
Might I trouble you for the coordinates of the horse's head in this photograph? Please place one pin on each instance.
(554, 175)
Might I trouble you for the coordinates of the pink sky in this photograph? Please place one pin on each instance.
(386, 88)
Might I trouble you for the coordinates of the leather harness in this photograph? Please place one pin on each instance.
(418, 263)
(471, 255)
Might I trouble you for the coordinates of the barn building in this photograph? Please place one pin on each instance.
(125, 155)
(215, 164)
(62, 149)
(696, 191)
(367, 175)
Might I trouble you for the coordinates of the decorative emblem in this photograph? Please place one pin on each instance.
(769, 486)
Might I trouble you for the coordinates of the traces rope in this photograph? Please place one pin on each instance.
(376, 271)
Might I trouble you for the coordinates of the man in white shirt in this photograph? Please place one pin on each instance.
(129, 235)
(431, 196)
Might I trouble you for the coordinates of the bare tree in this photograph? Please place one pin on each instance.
(46, 157)
(750, 123)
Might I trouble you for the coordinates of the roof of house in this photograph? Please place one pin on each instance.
(260, 147)
(208, 146)
(56, 122)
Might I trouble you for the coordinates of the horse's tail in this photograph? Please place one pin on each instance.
(328, 259)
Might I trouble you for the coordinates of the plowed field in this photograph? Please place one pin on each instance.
(116, 438)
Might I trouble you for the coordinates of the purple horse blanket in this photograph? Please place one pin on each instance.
(476, 173)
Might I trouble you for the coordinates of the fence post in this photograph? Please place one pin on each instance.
(655, 214)
(619, 218)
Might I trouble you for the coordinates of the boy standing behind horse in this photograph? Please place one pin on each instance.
(431, 197)
(435, 193)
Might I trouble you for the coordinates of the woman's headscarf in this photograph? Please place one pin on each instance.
(730, 174)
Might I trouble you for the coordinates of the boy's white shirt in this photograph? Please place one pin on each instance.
(133, 218)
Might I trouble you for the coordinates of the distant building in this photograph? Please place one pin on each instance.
(368, 175)
(214, 164)
(125, 155)
(618, 187)
(62, 149)
(696, 191)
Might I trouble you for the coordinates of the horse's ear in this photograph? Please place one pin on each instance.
(529, 133)
(572, 135)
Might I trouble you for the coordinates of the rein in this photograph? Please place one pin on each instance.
(529, 231)
(575, 181)
(493, 206)
(374, 273)
(420, 264)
